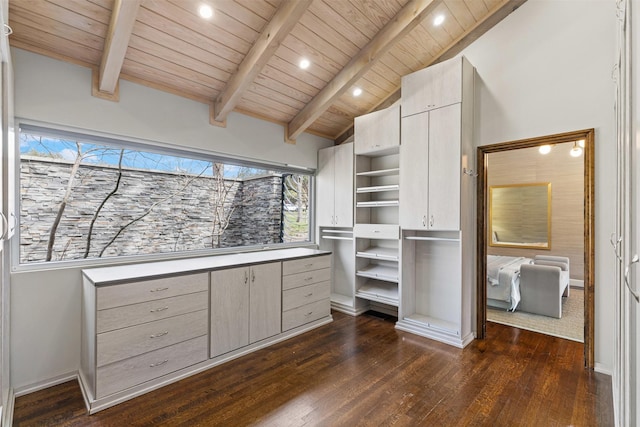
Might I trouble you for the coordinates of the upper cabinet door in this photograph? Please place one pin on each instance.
(325, 184)
(343, 183)
(414, 172)
(444, 168)
(433, 87)
(378, 131)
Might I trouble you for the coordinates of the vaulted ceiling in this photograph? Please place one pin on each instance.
(245, 58)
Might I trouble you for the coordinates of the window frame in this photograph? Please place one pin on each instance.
(163, 148)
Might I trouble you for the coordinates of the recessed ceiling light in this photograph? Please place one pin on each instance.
(438, 20)
(357, 91)
(205, 11)
(304, 63)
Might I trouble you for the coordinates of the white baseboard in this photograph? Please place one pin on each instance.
(576, 283)
(598, 367)
(6, 419)
(32, 388)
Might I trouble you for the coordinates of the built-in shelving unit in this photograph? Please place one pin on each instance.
(437, 210)
(377, 231)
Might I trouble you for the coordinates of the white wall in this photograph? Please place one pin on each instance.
(45, 312)
(547, 69)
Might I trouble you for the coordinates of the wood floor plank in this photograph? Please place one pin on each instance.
(363, 372)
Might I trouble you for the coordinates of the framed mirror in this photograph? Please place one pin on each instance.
(520, 216)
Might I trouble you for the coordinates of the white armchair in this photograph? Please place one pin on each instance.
(543, 284)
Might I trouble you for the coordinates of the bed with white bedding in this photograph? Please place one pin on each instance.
(503, 280)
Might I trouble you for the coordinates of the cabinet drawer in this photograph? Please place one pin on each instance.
(144, 312)
(123, 343)
(305, 314)
(377, 231)
(297, 297)
(150, 290)
(136, 370)
(306, 278)
(306, 264)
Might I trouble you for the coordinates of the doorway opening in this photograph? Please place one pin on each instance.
(490, 238)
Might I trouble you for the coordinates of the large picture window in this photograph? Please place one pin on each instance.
(82, 197)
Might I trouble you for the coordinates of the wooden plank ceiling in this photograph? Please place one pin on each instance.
(246, 57)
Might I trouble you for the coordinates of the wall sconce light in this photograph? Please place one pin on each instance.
(576, 151)
(544, 149)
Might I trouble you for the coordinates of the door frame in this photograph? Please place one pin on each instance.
(589, 228)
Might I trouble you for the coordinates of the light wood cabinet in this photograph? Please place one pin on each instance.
(265, 301)
(132, 332)
(438, 205)
(377, 131)
(229, 310)
(378, 198)
(335, 186)
(306, 290)
(245, 306)
(431, 187)
(433, 87)
(146, 325)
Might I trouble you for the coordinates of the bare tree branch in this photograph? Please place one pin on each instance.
(148, 211)
(63, 204)
(95, 215)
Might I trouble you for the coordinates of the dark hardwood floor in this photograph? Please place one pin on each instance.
(361, 371)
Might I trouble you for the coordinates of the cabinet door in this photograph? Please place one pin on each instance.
(433, 87)
(377, 131)
(414, 168)
(229, 310)
(325, 183)
(343, 178)
(265, 301)
(444, 168)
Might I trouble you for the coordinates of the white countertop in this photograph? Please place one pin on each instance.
(118, 274)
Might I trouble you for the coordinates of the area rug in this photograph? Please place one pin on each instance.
(570, 326)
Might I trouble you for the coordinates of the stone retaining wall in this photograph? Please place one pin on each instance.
(167, 212)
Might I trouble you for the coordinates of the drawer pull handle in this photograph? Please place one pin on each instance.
(310, 294)
(308, 265)
(376, 231)
(308, 278)
(160, 334)
(155, 310)
(158, 289)
(308, 314)
(153, 365)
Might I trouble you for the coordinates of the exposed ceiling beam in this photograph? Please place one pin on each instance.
(481, 27)
(265, 46)
(123, 18)
(400, 25)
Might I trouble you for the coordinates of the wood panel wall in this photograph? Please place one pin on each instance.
(566, 175)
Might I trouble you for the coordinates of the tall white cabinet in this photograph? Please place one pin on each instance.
(334, 210)
(335, 184)
(438, 201)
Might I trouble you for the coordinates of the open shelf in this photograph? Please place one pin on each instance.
(377, 204)
(381, 172)
(337, 231)
(378, 188)
(378, 252)
(384, 292)
(337, 238)
(440, 239)
(380, 272)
